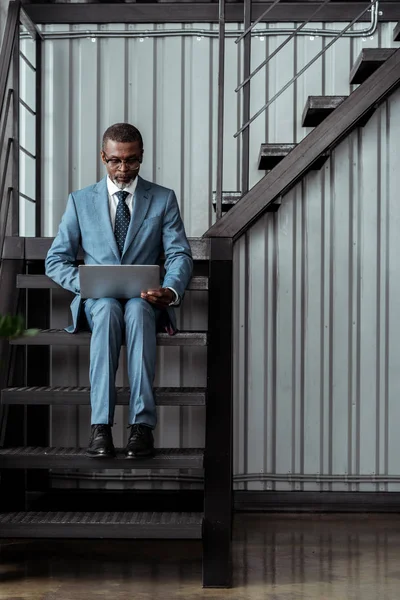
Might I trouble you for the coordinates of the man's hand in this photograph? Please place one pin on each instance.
(161, 298)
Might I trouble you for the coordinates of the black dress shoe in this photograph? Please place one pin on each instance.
(101, 443)
(141, 442)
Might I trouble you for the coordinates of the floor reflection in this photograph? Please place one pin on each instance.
(275, 557)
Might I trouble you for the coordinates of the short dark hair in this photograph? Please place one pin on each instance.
(122, 132)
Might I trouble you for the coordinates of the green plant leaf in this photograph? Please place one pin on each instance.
(12, 326)
(31, 332)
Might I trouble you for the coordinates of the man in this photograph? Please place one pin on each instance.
(125, 220)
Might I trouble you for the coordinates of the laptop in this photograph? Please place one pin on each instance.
(117, 281)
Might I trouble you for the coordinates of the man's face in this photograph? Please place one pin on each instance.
(122, 173)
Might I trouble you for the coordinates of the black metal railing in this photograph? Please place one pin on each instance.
(244, 86)
(10, 104)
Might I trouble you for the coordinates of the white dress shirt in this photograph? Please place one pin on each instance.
(113, 199)
(113, 202)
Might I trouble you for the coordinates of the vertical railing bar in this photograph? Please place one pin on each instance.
(4, 223)
(221, 98)
(279, 48)
(38, 133)
(5, 121)
(16, 128)
(307, 66)
(247, 5)
(250, 27)
(6, 203)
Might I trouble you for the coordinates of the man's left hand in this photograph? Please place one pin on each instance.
(161, 298)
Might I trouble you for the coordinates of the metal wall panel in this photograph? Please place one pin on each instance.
(316, 325)
(315, 297)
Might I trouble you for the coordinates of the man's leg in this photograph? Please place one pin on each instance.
(106, 320)
(140, 331)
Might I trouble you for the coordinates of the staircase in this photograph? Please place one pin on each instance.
(25, 427)
(29, 507)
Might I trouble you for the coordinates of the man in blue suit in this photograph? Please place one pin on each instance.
(122, 220)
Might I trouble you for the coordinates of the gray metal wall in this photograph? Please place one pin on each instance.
(315, 292)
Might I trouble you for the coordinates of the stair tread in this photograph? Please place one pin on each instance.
(168, 453)
(36, 248)
(44, 282)
(317, 108)
(80, 395)
(31, 457)
(272, 154)
(171, 525)
(62, 338)
(369, 60)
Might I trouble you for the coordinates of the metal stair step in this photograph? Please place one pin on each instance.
(74, 458)
(229, 199)
(317, 108)
(43, 282)
(79, 395)
(396, 33)
(59, 337)
(36, 248)
(167, 525)
(369, 60)
(272, 154)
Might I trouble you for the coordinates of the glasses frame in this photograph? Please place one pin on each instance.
(121, 161)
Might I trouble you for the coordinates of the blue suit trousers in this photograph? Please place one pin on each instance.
(109, 319)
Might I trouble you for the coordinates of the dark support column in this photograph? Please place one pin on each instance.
(12, 481)
(37, 373)
(38, 133)
(218, 452)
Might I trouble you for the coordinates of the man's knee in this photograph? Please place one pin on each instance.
(138, 308)
(106, 308)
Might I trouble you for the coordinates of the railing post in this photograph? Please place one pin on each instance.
(246, 97)
(221, 98)
(15, 150)
(217, 530)
(38, 135)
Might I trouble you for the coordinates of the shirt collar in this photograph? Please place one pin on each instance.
(113, 189)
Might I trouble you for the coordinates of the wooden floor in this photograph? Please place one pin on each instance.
(276, 557)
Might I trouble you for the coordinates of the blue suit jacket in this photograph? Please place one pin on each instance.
(155, 227)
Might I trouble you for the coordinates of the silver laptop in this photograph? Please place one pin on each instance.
(117, 281)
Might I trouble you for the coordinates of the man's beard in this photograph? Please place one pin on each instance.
(121, 184)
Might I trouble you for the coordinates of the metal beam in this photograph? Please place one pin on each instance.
(30, 25)
(325, 137)
(199, 12)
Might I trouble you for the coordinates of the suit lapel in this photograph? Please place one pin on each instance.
(141, 205)
(102, 210)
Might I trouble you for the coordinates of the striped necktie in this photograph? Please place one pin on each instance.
(122, 219)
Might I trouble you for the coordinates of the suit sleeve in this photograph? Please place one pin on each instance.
(61, 258)
(178, 256)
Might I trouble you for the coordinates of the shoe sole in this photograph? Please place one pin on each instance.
(90, 455)
(140, 455)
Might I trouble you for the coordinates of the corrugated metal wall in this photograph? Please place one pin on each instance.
(315, 293)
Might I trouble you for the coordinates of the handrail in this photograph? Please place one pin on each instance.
(289, 83)
(326, 136)
(279, 48)
(6, 53)
(256, 22)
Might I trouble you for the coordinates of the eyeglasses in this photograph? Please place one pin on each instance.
(116, 163)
